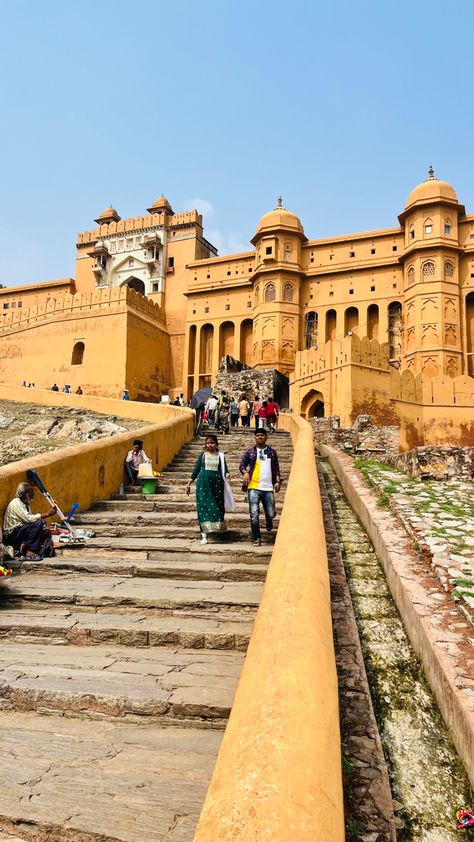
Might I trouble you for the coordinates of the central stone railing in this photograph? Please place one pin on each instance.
(278, 773)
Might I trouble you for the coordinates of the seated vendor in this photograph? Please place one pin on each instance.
(133, 460)
(24, 531)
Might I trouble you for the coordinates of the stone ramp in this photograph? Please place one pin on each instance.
(99, 781)
(119, 663)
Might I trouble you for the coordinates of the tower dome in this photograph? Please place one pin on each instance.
(160, 205)
(107, 216)
(431, 190)
(279, 219)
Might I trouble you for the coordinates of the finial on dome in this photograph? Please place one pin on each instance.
(280, 202)
(431, 171)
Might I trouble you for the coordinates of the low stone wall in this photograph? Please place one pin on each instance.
(364, 438)
(443, 462)
(278, 773)
(154, 413)
(94, 470)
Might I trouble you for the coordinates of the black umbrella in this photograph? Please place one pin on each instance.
(200, 397)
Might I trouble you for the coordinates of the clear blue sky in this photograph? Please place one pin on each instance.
(339, 107)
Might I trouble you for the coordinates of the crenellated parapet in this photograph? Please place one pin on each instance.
(136, 224)
(98, 302)
(431, 391)
(351, 350)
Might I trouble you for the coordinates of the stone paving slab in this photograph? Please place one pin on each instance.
(173, 545)
(188, 568)
(106, 780)
(84, 628)
(97, 590)
(118, 681)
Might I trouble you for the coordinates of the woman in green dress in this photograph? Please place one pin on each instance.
(209, 472)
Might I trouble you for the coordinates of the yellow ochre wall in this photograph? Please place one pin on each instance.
(278, 772)
(94, 470)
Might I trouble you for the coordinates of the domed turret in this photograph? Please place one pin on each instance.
(431, 190)
(107, 216)
(279, 219)
(161, 205)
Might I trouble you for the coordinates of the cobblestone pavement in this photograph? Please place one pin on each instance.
(439, 517)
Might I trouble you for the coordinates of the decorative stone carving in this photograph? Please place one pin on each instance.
(450, 337)
(430, 366)
(429, 334)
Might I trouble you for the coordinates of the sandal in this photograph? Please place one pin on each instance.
(257, 543)
(31, 558)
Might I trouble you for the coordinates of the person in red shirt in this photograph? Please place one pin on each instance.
(262, 416)
(272, 414)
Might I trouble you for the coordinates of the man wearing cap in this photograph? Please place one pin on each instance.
(133, 460)
(261, 477)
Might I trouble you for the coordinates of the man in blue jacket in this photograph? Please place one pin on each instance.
(261, 477)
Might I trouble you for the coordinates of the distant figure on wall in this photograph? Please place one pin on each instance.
(55, 387)
(125, 396)
(23, 385)
(79, 391)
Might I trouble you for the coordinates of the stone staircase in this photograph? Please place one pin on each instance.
(119, 663)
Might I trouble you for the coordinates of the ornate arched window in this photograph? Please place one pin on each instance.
(448, 269)
(288, 292)
(411, 275)
(428, 226)
(447, 227)
(78, 353)
(270, 292)
(311, 330)
(428, 269)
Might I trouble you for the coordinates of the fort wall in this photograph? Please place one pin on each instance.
(88, 339)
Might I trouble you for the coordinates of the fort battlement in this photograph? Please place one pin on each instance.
(431, 391)
(140, 223)
(100, 300)
(338, 352)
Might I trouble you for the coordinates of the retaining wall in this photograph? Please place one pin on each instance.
(278, 773)
(94, 470)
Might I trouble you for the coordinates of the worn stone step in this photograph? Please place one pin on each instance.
(118, 681)
(140, 592)
(179, 503)
(113, 782)
(202, 629)
(229, 547)
(222, 570)
(189, 530)
(163, 516)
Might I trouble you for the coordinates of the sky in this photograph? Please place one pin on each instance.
(340, 108)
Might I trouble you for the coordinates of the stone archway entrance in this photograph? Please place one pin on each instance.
(136, 284)
(312, 405)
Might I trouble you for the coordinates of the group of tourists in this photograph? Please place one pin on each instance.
(66, 389)
(226, 411)
(260, 479)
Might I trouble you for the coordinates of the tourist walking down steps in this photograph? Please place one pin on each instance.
(261, 477)
(212, 489)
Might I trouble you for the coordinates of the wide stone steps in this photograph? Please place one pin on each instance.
(79, 626)
(96, 590)
(119, 663)
(166, 568)
(117, 681)
(65, 779)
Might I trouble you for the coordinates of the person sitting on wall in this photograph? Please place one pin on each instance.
(79, 391)
(125, 396)
(24, 531)
(55, 387)
(133, 460)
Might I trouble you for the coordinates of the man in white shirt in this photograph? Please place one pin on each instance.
(25, 531)
(133, 460)
(261, 477)
(211, 406)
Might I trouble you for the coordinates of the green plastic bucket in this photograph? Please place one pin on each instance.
(149, 486)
